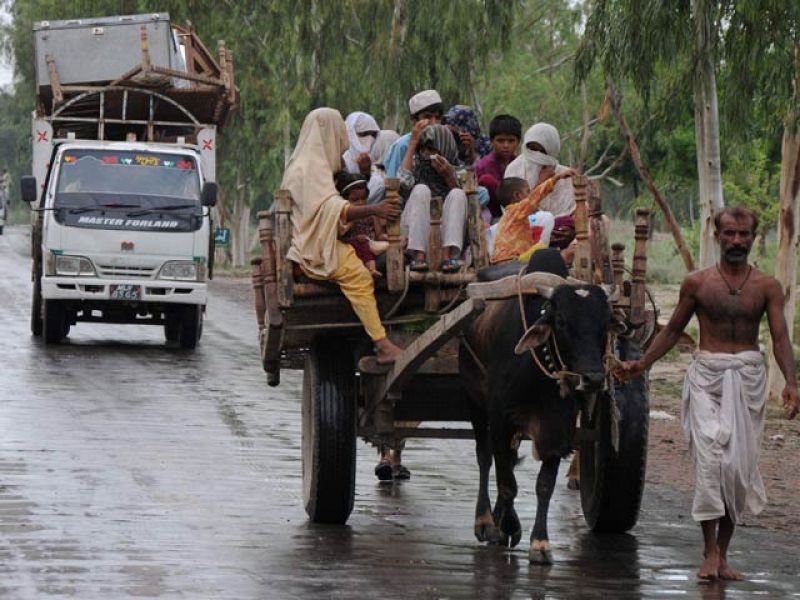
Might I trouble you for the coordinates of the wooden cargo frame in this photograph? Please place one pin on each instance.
(210, 96)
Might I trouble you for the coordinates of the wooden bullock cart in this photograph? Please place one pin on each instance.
(309, 325)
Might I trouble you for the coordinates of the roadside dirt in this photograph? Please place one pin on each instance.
(668, 461)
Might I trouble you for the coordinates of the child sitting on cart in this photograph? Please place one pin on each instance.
(361, 234)
(513, 235)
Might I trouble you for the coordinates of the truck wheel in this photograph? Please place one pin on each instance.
(36, 308)
(612, 483)
(329, 431)
(191, 327)
(55, 322)
(172, 327)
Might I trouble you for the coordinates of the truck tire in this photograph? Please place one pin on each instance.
(191, 326)
(55, 322)
(612, 483)
(37, 325)
(172, 327)
(329, 431)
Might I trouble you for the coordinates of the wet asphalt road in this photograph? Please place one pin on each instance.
(133, 470)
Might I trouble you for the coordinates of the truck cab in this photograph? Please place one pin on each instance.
(125, 237)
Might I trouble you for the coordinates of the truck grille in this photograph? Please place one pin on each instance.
(126, 271)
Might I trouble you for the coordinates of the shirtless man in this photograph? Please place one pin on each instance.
(725, 391)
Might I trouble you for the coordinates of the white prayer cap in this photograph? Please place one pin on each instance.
(423, 100)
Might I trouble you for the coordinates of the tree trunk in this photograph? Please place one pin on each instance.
(706, 114)
(587, 132)
(786, 259)
(222, 218)
(669, 218)
(240, 224)
(397, 39)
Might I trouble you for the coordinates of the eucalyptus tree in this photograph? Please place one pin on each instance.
(762, 43)
(642, 40)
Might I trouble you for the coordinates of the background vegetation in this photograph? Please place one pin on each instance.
(511, 56)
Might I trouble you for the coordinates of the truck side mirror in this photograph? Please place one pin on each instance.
(28, 187)
(209, 194)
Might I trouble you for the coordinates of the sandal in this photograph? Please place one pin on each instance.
(451, 265)
(401, 472)
(418, 265)
(384, 471)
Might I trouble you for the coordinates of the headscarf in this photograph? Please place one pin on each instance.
(529, 163)
(441, 138)
(316, 205)
(464, 118)
(358, 122)
(386, 137)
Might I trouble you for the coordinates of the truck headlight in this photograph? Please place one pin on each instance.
(74, 266)
(182, 270)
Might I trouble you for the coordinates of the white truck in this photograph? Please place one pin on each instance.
(124, 174)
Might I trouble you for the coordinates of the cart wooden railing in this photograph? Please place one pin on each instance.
(291, 311)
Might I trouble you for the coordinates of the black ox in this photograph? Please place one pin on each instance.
(512, 395)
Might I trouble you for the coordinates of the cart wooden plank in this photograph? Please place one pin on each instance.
(422, 348)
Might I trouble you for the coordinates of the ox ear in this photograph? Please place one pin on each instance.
(536, 335)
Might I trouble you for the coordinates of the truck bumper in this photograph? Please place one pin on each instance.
(152, 290)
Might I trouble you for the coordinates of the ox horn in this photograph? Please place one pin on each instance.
(544, 282)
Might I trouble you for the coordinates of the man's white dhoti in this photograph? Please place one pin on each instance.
(724, 399)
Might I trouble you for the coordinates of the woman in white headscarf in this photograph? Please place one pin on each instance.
(363, 132)
(541, 146)
(317, 210)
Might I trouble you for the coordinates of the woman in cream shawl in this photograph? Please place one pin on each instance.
(317, 209)
(541, 145)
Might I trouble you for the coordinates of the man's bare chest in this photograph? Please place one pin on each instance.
(717, 303)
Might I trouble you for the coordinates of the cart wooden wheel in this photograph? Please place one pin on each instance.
(329, 431)
(612, 483)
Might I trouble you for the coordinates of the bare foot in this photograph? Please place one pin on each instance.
(728, 573)
(709, 570)
(387, 351)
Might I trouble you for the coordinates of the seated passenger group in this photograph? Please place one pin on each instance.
(336, 178)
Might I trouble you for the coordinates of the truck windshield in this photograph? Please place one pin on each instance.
(124, 179)
(120, 189)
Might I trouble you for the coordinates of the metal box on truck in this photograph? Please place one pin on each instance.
(94, 51)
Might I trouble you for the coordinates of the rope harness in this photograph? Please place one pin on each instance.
(556, 367)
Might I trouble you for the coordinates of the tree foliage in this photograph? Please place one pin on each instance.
(518, 57)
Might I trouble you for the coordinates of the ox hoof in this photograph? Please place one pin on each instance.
(487, 532)
(507, 540)
(573, 484)
(508, 522)
(539, 553)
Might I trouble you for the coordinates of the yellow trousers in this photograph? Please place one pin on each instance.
(358, 287)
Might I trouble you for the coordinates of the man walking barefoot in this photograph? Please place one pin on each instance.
(724, 395)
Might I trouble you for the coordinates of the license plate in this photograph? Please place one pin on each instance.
(125, 291)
